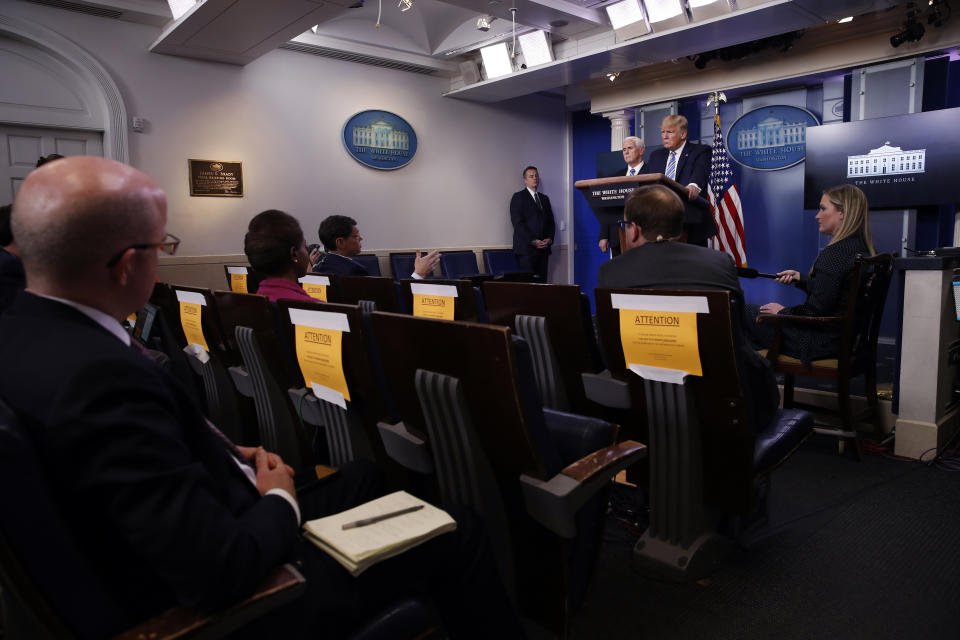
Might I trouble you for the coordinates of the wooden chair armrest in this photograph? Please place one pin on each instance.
(554, 503)
(781, 318)
(584, 469)
(281, 585)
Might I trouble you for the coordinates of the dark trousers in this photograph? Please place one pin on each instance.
(535, 263)
(456, 570)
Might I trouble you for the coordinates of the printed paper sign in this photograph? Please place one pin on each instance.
(238, 279)
(319, 340)
(659, 335)
(190, 303)
(433, 300)
(316, 286)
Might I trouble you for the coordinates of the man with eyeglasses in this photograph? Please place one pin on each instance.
(342, 241)
(654, 258)
(158, 502)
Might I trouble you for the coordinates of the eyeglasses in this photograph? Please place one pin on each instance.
(168, 246)
(625, 223)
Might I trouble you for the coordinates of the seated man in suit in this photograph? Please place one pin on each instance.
(167, 509)
(633, 148)
(652, 258)
(689, 164)
(342, 240)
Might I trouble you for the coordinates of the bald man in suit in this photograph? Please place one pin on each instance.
(163, 506)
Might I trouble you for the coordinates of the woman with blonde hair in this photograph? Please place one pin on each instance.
(844, 215)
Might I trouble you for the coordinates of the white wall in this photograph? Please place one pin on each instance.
(282, 116)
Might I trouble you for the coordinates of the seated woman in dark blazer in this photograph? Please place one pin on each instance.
(275, 246)
(844, 215)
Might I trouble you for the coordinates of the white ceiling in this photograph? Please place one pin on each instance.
(436, 36)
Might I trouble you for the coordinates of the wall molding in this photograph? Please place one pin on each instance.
(112, 111)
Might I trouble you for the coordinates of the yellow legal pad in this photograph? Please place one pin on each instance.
(359, 548)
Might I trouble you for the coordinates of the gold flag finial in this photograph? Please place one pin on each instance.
(716, 98)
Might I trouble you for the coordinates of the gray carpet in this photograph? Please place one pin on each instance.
(852, 550)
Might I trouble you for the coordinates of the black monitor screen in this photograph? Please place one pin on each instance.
(902, 161)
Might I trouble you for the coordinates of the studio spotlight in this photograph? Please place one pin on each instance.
(912, 31)
(613, 76)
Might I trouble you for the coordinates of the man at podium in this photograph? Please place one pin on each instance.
(633, 148)
(689, 164)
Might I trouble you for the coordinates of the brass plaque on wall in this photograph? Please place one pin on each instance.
(216, 178)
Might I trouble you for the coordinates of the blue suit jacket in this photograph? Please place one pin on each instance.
(693, 165)
(336, 264)
(147, 489)
(531, 222)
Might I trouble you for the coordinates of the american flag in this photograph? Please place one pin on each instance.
(725, 201)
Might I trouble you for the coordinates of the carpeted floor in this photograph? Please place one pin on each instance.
(852, 550)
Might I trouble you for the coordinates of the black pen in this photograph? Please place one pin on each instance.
(383, 516)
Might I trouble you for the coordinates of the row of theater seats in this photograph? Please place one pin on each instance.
(463, 412)
(453, 264)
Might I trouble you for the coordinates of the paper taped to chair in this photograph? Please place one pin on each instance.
(659, 335)
(315, 286)
(238, 279)
(319, 340)
(190, 314)
(433, 300)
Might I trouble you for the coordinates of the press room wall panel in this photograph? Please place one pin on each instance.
(282, 116)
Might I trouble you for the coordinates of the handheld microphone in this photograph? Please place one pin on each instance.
(747, 272)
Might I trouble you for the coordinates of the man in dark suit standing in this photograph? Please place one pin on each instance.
(689, 164)
(162, 505)
(633, 148)
(533, 225)
(652, 258)
(342, 240)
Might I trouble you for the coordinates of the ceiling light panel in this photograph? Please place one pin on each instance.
(180, 7)
(496, 60)
(536, 48)
(624, 13)
(665, 14)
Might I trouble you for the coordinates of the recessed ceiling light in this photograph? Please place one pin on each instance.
(847, 19)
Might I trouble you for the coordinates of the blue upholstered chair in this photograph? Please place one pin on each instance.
(457, 264)
(402, 264)
(499, 261)
(370, 262)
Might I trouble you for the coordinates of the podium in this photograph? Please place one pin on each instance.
(606, 196)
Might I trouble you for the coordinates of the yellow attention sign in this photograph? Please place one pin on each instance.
(661, 339)
(190, 321)
(430, 306)
(238, 282)
(318, 291)
(320, 356)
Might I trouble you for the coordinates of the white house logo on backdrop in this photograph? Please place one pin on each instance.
(770, 138)
(379, 139)
(885, 161)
